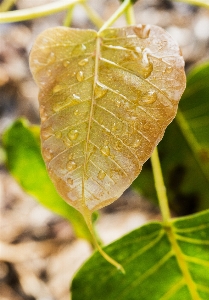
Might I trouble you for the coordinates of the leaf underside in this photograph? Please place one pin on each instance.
(105, 101)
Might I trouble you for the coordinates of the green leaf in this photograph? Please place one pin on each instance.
(184, 150)
(161, 263)
(25, 163)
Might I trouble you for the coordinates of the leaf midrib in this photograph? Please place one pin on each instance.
(182, 263)
(97, 54)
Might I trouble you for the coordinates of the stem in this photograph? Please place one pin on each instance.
(6, 5)
(68, 18)
(195, 2)
(122, 8)
(36, 12)
(130, 17)
(93, 15)
(113, 262)
(160, 186)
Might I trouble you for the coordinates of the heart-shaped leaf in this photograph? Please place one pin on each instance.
(105, 101)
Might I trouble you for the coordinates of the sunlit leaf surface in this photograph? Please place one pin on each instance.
(161, 263)
(105, 101)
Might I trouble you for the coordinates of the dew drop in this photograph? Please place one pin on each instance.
(149, 98)
(80, 76)
(47, 153)
(79, 50)
(66, 63)
(136, 143)
(58, 134)
(146, 66)
(142, 31)
(67, 142)
(114, 127)
(83, 62)
(168, 69)
(101, 175)
(49, 72)
(71, 165)
(76, 97)
(46, 132)
(73, 134)
(43, 113)
(105, 150)
(99, 91)
(70, 156)
(70, 181)
(57, 88)
(76, 112)
(51, 59)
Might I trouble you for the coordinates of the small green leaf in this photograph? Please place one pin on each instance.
(25, 163)
(161, 263)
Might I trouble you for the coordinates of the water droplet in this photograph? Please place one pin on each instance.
(46, 132)
(58, 134)
(49, 72)
(142, 31)
(118, 103)
(146, 64)
(67, 142)
(100, 91)
(76, 112)
(43, 113)
(114, 127)
(149, 98)
(101, 175)
(168, 69)
(76, 97)
(105, 150)
(70, 156)
(83, 62)
(73, 134)
(80, 76)
(71, 165)
(57, 88)
(136, 143)
(78, 50)
(51, 59)
(66, 63)
(47, 153)
(70, 181)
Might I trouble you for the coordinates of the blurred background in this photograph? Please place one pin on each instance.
(39, 252)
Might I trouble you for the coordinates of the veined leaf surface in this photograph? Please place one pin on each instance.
(105, 101)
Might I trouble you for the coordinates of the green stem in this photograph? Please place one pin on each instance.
(160, 186)
(130, 17)
(68, 19)
(122, 8)
(36, 12)
(6, 5)
(195, 2)
(93, 16)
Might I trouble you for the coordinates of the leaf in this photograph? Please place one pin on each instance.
(161, 263)
(181, 156)
(105, 101)
(193, 118)
(26, 164)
